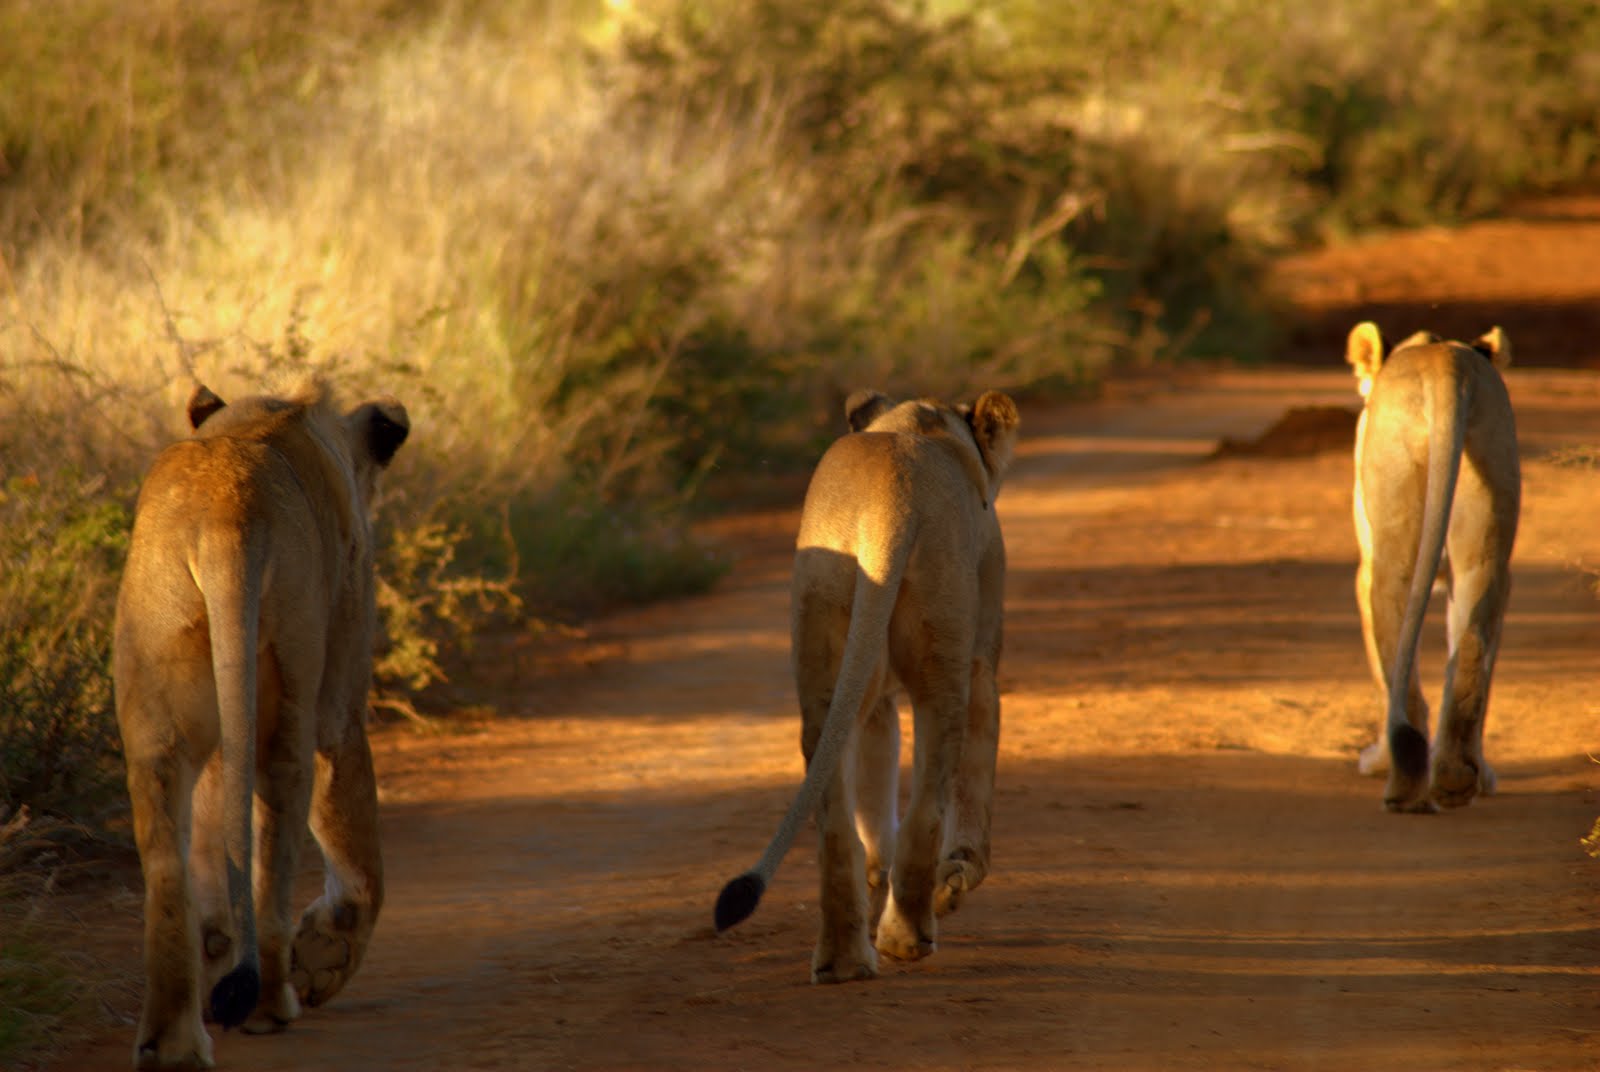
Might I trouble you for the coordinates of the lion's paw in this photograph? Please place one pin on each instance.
(1457, 781)
(903, 939)
(184, 1046)
(1408, 792)
(1407, 795)
(1374, 759)
(276, 1012)
(326, 952)
(958, 875)
(832, 966)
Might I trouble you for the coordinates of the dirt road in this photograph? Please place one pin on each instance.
(1189, 873)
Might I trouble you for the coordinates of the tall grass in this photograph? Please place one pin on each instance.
(62, 542)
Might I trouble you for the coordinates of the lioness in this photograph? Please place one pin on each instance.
(243, 657)
(1437, 491)
(898, 582)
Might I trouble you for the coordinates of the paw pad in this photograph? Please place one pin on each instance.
(324, 957)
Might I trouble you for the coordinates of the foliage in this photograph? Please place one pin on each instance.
(427, 601)
(62, 537)
(1372, 114)
(955, 169)
(583, 553)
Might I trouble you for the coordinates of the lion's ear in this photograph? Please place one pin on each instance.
(1364, 351)
(203, 402)
(1494, 345)
(994, 420)
(863, 407)
(383, 425)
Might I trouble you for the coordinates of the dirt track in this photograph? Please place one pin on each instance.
(1188, 871)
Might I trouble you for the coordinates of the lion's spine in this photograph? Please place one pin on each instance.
(1445, 404)
(871, 608)
(229, 569)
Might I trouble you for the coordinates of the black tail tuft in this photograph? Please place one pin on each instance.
(1408, 751)
(738, 899)
(234, 997)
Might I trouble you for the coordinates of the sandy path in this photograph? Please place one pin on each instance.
(1189, 872)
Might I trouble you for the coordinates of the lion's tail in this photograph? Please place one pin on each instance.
(229, 570)
(1445, 404)
(877, 586)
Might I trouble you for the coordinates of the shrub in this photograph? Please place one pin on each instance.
(581, 553)
(1071, 218)
(427, 601)
(941, 174)
(62, 538)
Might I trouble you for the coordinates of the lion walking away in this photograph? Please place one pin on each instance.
(898, 582)
(1438, 487)
(242, 662)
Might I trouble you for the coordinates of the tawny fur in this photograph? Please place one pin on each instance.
(243, 656)
(1437, 495)
(898, 585)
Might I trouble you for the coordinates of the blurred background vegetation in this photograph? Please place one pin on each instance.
(615, 257)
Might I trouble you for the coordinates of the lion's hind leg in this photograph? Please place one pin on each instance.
(843, 952)
(1459, 771)
(965, 862)
(908, 929)
(219, 933)
(876, 769)
(1387, 579)
(1374, 758)
(171, 1032)
(335, 929)
(820, 625)
(283, 797)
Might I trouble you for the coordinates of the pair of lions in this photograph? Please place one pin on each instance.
(242, 663)
(898, 585)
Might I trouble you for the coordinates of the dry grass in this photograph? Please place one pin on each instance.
(54, 990)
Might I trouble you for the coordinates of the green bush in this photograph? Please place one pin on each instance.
(940, 169)
(581, 553)
(1069, 222)
(1367, 113)
(427, 603)
(1441, 111)
(62, 538)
